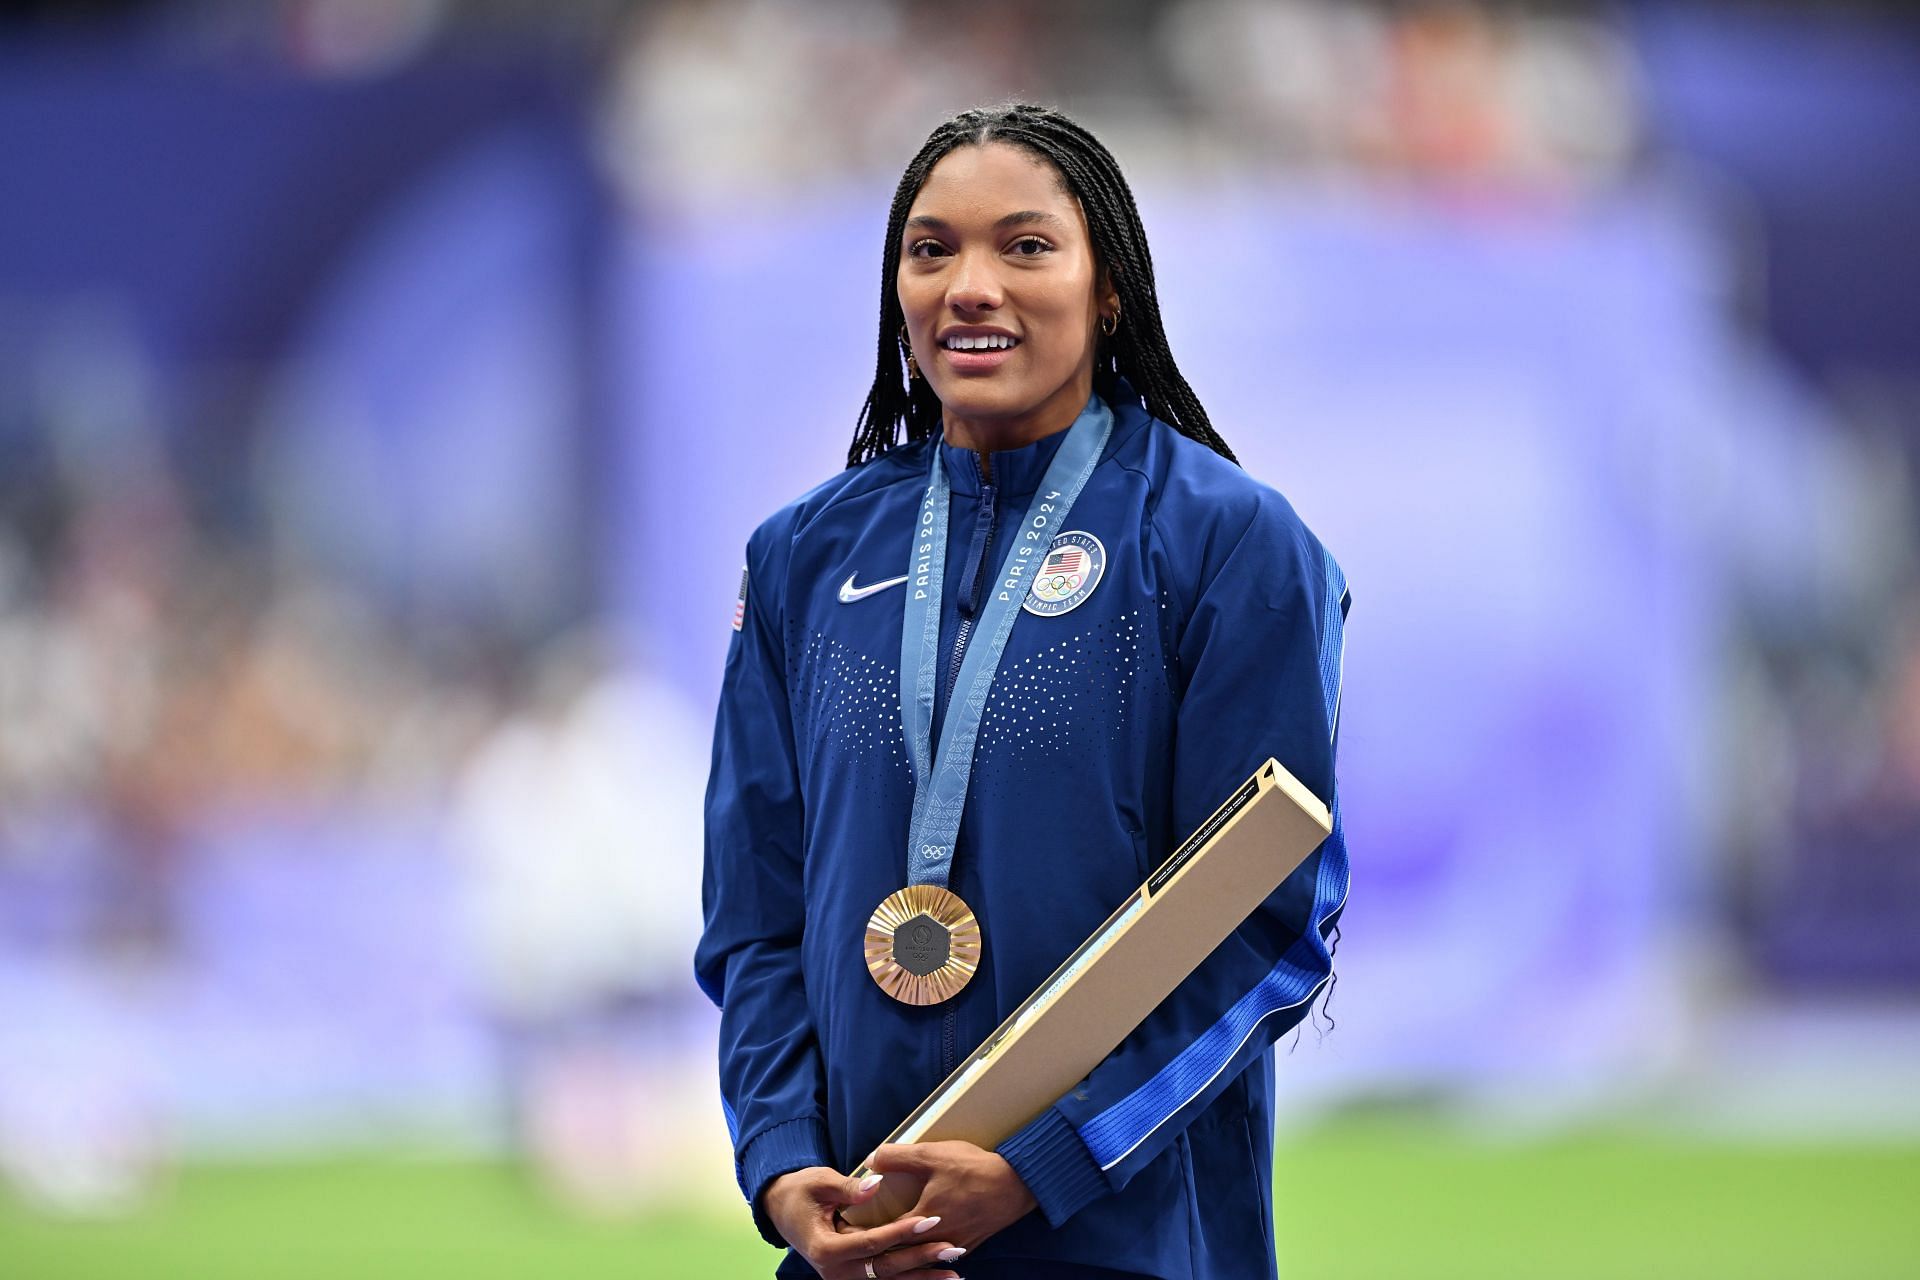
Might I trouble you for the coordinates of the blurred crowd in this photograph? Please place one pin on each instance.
(1536, 96)
(160, 661)
(170, 669)
(710, 99)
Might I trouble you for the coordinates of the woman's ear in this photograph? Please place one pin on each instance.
(1106, 303)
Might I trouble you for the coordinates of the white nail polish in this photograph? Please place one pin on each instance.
(871, 1181)
(925, 1225)
(950, 1255)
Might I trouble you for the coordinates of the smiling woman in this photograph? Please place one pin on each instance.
(921, 802)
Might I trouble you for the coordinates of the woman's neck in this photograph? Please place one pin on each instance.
(991, 436)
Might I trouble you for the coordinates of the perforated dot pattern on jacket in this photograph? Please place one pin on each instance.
(1080, 693)
(847, 702)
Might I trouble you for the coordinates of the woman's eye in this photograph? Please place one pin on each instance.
(925, 249)
(1031, 247)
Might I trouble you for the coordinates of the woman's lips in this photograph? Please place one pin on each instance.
(977, 361)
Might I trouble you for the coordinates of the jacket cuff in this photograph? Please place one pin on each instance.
(1056, 1166)
(789, 1145)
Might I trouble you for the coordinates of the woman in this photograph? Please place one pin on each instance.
(983, 681)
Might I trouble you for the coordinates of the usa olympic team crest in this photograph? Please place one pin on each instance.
(1068, 573)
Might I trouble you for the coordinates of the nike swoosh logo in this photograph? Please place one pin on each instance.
(849, 593)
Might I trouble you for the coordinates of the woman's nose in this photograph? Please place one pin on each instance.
(974, 285)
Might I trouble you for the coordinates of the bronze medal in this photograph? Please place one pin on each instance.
(923, 944)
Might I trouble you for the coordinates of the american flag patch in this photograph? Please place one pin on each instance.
(740, 606)
(1067, 574)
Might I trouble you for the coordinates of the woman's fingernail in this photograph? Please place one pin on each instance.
(950, 1255)
(871, 1181)
(925, 1225)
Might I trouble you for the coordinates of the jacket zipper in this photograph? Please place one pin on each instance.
(959, 652)
(950, 1022)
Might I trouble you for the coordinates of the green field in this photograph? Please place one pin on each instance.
(1354, 1201)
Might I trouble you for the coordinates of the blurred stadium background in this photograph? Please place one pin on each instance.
(388, 386)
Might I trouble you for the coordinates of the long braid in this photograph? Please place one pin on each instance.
(1137, 351)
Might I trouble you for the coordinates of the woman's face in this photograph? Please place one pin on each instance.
(998, 283)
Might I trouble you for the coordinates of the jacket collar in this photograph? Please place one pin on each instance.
(1018, 472)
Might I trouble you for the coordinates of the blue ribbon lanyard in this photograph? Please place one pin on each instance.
(940, 781)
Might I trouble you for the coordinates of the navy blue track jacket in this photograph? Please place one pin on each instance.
(1212, 641)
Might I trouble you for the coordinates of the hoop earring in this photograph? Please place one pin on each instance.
(1109, 325)
(913, 366)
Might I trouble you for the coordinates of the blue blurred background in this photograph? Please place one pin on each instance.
(387, 389)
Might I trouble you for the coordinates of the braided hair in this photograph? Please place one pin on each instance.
(1138, 348)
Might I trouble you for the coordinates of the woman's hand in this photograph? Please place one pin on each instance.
(802, 1205)
(972, 1192)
